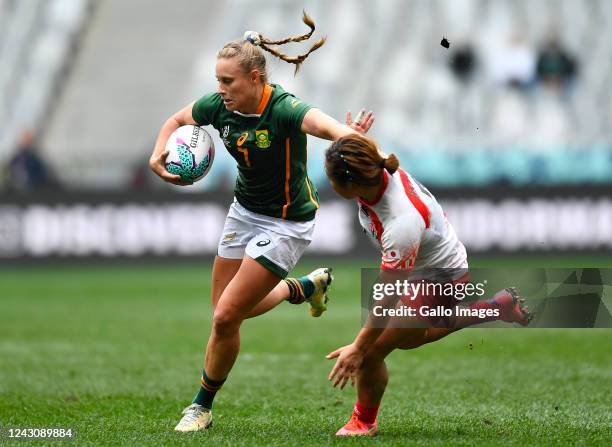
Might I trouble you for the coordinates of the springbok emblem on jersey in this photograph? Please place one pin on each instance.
(262, 139)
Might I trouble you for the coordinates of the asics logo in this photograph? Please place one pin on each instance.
(242, 138)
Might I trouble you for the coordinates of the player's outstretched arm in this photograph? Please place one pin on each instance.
(157, 162)
(350, 357)
(317, 123)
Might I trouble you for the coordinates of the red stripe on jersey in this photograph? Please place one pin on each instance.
(414, 198)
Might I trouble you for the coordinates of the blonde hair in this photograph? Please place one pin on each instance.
(251, 57)
(356, 159)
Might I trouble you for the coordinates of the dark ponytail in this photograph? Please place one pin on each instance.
(391, 163)
(356, 159)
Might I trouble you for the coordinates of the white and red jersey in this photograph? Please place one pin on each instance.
(410, 227)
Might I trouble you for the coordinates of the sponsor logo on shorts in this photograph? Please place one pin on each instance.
(228, 238)
(263, 243)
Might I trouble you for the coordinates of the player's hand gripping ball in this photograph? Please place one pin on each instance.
(190, 153)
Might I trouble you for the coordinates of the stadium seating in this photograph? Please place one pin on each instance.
(386, 56)
(37, 42)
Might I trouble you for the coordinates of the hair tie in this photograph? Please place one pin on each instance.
(382, 163)
(253, 37)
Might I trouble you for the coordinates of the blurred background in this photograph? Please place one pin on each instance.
(509, 126)
(104, 268)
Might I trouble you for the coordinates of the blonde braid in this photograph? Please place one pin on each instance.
(297, 60)
(307, 20)
(259, 40)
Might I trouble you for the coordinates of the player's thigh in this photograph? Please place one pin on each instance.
(236, 234)
(436, 333)
(223, 272)
(399, 338)
(251, 283)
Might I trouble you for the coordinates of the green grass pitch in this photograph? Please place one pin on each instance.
(115, 354)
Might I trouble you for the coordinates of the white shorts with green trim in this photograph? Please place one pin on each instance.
(275, 243)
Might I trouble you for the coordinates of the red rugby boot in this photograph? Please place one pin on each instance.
(511, 306)
(355, 427)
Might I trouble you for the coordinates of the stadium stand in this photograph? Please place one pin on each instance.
(38, 42)
(500, 125)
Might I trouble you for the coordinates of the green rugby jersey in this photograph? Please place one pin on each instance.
(270, 149)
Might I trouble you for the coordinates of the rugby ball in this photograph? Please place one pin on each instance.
(191, 152)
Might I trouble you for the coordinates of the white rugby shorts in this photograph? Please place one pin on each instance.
(275, 243)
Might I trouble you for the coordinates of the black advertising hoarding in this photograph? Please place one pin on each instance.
(129, 224)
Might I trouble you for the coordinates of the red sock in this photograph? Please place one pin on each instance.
(364, 414)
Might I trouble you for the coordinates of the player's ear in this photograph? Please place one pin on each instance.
(255, 75)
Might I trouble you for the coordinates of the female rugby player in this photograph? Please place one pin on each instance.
(271, 221)
(412, 231)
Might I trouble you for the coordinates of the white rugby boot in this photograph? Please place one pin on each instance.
(322, 279)
(195, 417)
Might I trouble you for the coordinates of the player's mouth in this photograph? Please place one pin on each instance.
(227, 101)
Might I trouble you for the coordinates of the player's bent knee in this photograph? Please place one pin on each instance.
(226, 323)
(412, 338)
(373, 357)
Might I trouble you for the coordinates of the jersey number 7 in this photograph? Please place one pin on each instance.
(245, 152)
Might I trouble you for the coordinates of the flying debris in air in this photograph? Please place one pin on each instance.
(445, 43)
